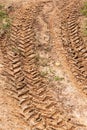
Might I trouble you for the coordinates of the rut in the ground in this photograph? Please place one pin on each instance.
(38, 104)
(75, 47)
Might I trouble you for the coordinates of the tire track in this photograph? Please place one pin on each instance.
(38, 104)
(75, 47)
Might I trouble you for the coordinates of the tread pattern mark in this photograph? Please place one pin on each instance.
(75, 47)
(37, 102)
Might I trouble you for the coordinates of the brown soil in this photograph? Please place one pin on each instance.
(43, 67)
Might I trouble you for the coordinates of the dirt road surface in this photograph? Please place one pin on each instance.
(43, 67)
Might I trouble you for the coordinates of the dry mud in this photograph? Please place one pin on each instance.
(43, 71)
